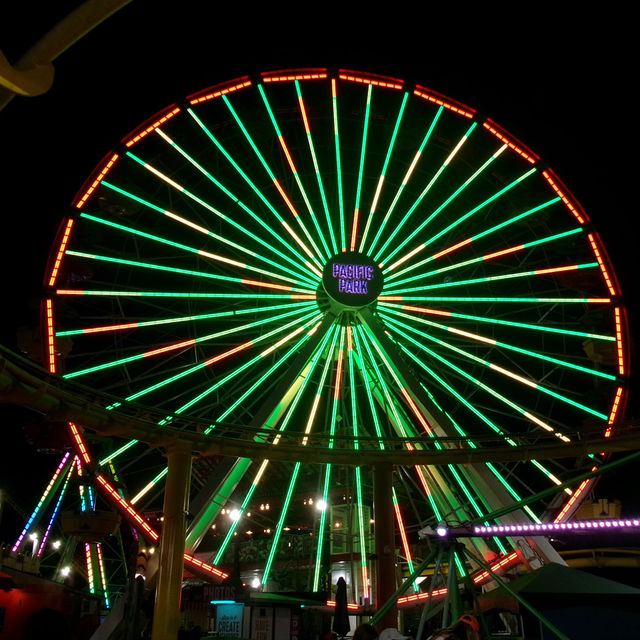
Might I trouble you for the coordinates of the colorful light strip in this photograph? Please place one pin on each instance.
(563, 197)
(500, 564)
(51, 348)
(63, 245)
(351, 606)
(614, 412)
(605, 273)
(433, 97)
(87, 555)
(555, 527)
(356, 210)
(45, 537)
(185, 294)
(568, 507)
(292, 77)
(75, 432)
(618, 319)
(103, 575)
(41, 502)
(386, 298)
(369, 81)
(155, 125)
(336, 138)
(403, 537)
(97, 181)
(490, 126)
(221, 92)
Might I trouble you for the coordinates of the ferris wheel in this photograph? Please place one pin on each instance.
(335, 259)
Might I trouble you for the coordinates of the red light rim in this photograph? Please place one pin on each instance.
(93, 184)
(513, 143)
(219, 90)
(154, 125)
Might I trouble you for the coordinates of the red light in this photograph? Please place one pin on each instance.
(150, 128)
(563, 197)
(171, 347)
(414, 408)
(485, 575)
(228, 353)
(365, 80)
(431, 96)
(221, 92)
(614, 411)
(292, 77)
(453, 248)
(576, 494)
(490, 256)
(528, 155)
(285, 198)
(63, 246)
(75, 432)
(598, 255)
(97, 181)
(619, 341)
(51, 351)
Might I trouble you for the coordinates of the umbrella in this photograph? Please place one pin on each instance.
(341, 616)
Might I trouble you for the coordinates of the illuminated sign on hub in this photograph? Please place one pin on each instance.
(352, 279)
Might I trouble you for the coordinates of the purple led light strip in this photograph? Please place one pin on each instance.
(546, 527)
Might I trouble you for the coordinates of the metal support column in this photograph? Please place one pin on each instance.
(385, 543)
(166, 615)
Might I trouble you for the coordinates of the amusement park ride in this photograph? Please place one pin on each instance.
(365, 310)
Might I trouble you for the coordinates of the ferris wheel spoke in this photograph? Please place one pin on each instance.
(184, 191)
(296, 175)
(486, 257)
(336, 138)
(505, 372)
(405, 180)
(433, 181)
(450, 226)
(323, 196)
(301, 323)
(491, 320)
(242, 266)
(500, 344)
(266, 202)
(187, 272)
(513, 405)
(313, 256)
(363, 148)
(189, 343)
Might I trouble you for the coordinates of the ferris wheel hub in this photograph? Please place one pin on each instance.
(352, 280)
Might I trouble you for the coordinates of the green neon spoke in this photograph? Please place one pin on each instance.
(271, 175)
(113, 455)
(314, 317)
(280, 525)
(316, 166)
(158, 267)
(363, 549)
(336, 136)
(527, 245)
(410, 567)
(204, 316)
(458, 221)
(211, 336)
(202, 365)
(255, 189)
(217, 213)
(267, 376)
(510, 347)
(505, 372)
(405, 180)
(176, 294)
(494, 299)
(368, 383)
(356, 209)
(383, 173)
(520, 325)
(459, 283)
(245, 504)
(273, 178)
(517, 408)
(303, 192)
(433, 180)
(187, 248)
(511, 490)
(321, 528)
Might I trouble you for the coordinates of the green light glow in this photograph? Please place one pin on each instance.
(363, 149)
(557, 236)
(272, 117)
(458, 283)
(254, 188)
(405, 180)
(211, 336)
(460, 220)
(430, 184)
(336, 136)
(117, 452)
(384, 171)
